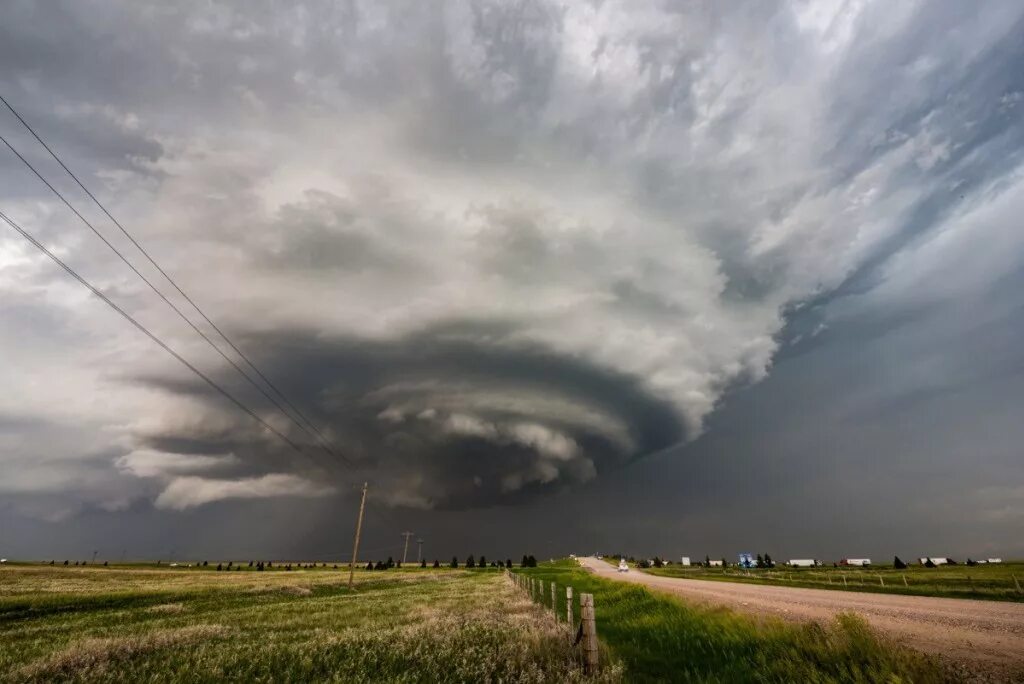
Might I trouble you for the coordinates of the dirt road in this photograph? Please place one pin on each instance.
(987, 634)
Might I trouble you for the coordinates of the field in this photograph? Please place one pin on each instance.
(992, 582)
(147, 624)
(657, 637)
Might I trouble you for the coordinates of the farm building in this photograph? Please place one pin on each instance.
(803, 563)
(934, 559)
(715, 563)
(857, 562)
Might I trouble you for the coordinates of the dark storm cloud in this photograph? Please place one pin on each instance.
(475, 419)
(497, 249)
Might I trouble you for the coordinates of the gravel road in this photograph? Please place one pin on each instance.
(985, 636)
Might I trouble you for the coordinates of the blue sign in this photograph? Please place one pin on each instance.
(747, 561)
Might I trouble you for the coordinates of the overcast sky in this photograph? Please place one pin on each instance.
(654, 277)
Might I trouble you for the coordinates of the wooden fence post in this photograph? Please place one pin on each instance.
(905, 581)
(881, 581)
(844, 580)
(568, 606)
(554, 601)
(589, 633)
(1016, 583)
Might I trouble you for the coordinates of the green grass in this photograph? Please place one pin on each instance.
(659, 638)
(990, 582)
(164, 625)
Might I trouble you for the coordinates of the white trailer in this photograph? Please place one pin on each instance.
(994, 560)
(685, 560)
(803, 563)
(860, 562)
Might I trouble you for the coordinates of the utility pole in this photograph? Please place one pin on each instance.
(405, 551)
(359, 529)
(419, 550)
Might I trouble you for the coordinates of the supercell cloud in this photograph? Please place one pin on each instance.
(491, 249)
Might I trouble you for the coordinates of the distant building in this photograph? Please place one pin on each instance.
(715, 563)
(994, 560)
(934, 559)
(855, 562)
(685, 560)
(803, 563)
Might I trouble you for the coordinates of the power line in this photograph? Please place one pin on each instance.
(145, 331)
(315, 434)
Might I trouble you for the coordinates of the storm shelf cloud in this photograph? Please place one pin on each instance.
(494, 251)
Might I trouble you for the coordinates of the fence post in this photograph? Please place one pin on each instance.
(554, 601)
(589, 633)
(905, 581)
(844, 580)
(1016, 583)
(568, 606)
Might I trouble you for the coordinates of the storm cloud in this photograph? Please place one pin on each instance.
(495, 252)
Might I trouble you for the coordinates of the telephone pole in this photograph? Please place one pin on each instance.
(405, 551)
(419, 550)
(359, 529)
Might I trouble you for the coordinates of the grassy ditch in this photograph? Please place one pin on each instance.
(660, 638)
(130, 625)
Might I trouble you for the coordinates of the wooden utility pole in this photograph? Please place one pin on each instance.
(359, 529)
(405, 551)
(419, 550)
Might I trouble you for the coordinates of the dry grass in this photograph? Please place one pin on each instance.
(91, 658)
(414, 626)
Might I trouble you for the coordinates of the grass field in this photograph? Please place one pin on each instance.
(992, 582)
(166, 625)
(657, 637)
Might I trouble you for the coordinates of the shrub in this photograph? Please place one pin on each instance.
(470, 563)
(423, 563)
(483, 562)
(437, 563)
(455, 562)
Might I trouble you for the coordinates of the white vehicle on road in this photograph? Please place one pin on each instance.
(623, 566)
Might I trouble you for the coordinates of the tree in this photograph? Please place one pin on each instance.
(381, 565)
(508, 562)
(658, 562)
(524, 564)
(898, 564)
(707, 561)
(219, 567)
(423, 563)
(768, 561)
(369, 565)
(470, 563)
(724, 564)
(437, 563)
(483, 562)
(391, 562)
(398, 564)
(531, 561)
(760, 561)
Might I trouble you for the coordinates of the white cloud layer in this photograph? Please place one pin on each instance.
(188, 492)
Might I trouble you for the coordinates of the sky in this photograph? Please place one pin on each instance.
(674, 278)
